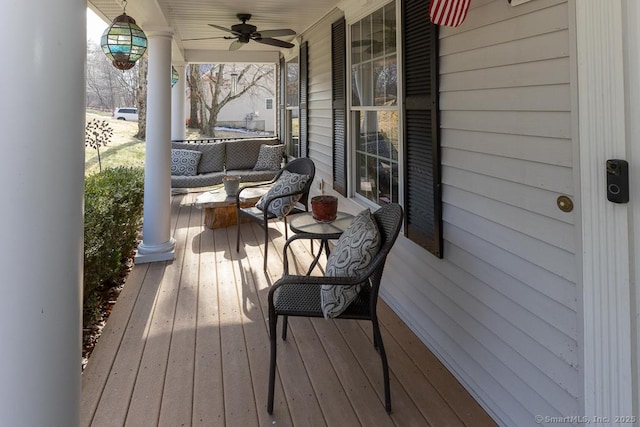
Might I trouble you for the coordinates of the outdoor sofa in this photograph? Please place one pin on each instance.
(216, 159)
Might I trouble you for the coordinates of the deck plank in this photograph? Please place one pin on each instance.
(94, 377)
(294, 395)
(404, 410)
(146, 399)
(113, 408)
(187, 344)
(177, 399)
(465, 407)
(240, 407)
(208, 402)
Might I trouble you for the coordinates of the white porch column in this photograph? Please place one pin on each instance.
(604, 122)
(42, 122)
(157, 243)
(178, 115)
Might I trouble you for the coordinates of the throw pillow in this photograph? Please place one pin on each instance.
(288, 182)
(353, 252)
(269, 158)
(184, 162)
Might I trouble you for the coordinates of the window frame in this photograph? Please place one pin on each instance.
(292, 150)
(350, 109)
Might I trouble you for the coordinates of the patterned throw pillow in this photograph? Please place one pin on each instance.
(269, 158)
(353, 252)
(184, 162)
(287, 183)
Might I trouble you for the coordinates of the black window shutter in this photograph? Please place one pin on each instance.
(303, 82)
(423, 210)
(338, 88)
(283, 101)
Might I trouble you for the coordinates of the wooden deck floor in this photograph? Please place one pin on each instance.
(187, 344)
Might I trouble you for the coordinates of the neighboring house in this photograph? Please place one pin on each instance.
(254, 110)
(250, 112)
(513, 267)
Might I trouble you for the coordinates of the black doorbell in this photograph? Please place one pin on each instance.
(617, 181)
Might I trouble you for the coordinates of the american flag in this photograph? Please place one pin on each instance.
(448, 12)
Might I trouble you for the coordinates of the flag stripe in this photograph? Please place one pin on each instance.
(448, 12)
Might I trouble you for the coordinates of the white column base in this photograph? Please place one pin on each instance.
(154, 253)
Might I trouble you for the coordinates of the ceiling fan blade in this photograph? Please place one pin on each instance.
(204, 38)
(236, 45)
(274, 42)
(222, 28)
(277, 33)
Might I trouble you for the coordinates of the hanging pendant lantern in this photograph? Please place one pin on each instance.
(124, 42)
(174, 76)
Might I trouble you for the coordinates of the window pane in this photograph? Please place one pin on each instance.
(356, 44)
(292, 83)
(389, 28)
(377, 155)
(377, 34)
(355, 91)
(293, 137)
(366, 37)
(373, 59)
(366, 83)
(386, 84)
(362, 84)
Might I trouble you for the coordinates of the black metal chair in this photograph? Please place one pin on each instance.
(294, 295)
(302, 166)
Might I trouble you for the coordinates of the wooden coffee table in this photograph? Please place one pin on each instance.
(220, 209)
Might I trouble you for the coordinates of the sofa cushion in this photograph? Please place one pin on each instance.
(288, 182)
(243, 153)
(212, 159)
(269, 158)
(353, 252)
(200, 180)
(184, 162)
(253, 176)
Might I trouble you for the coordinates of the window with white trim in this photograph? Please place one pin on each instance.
(292, 116)
(374, 105)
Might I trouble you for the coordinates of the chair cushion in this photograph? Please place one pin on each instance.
(269, 158)
(288, 182)
(353, 252)
(184, 162)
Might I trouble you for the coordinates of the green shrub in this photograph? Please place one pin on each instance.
(113, 203)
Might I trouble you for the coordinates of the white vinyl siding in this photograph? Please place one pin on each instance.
(501, 309)
(320, 132)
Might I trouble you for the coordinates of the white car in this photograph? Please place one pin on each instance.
(126, 113)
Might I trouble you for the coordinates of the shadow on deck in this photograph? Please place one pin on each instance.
(187, 344)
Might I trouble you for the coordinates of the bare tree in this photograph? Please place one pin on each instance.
(225, 87)
(220, 84)
(194, 95)
(108, 87)
(142, 97)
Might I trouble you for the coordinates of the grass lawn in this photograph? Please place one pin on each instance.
(124, 149)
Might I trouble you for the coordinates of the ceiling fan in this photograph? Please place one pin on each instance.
(243, 33)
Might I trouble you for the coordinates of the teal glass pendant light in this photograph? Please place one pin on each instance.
(124, 42)
(174, 76)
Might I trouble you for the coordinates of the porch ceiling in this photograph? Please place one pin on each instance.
(190, 18)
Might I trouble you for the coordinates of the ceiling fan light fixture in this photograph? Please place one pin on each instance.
(243, 33)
